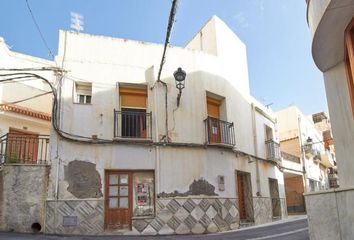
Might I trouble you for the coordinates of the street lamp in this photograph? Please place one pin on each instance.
(180, 77)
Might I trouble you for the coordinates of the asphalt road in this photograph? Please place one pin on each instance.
(289, 230)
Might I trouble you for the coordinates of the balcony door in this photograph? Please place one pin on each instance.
(22, 146)
(213, 109)
(133, 102)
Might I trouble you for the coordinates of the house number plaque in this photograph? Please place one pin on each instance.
(69, 220)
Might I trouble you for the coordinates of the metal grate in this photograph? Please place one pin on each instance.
(132, 123)
(218, 131)
(24, 149)
(273, 150)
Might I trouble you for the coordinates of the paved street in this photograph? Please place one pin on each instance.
(285, 230)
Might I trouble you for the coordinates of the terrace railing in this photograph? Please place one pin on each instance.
(24, 149)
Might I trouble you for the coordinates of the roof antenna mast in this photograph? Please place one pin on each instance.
(77, 22)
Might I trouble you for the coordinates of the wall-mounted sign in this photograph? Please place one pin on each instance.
(69, 220)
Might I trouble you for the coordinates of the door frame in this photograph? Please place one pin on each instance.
(130, 193)
(274, 199)
(131, 171)
(247, 181)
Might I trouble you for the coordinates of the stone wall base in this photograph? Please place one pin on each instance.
(331, 214)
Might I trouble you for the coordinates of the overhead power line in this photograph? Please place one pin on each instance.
(26, 99)
(171, 20)
(39, 30)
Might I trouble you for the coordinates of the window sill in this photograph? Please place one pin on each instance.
(224, 145)
(88, 104)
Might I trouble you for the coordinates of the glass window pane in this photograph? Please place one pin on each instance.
(113, 203)
(88, 99)
(123, 190)
(113, 191)
(124, 179)
(81, 99)
(123, 202)
(113, 179)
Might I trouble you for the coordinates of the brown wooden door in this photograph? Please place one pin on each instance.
(241, 195)
(22, 146)
(118, 200)
(213, 109)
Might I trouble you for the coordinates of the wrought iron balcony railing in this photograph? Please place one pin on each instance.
(132, 124)
(218, 131)
(24, 149)
(273, 150)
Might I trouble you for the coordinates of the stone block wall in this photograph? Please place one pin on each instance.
(262, 207)
(87, 217)
(190, 216)
(23, 194)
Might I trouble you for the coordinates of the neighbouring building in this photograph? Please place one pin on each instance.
(129, 159)
(25, 123)
(332, 27)
(306, 159)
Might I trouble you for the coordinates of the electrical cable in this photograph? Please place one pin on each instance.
(83, 139)
(39, 30)
(171, 20)
(26, 99)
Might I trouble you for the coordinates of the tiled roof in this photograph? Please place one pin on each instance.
(25, 111)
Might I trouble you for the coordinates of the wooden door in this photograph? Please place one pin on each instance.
(241, 195)
(118, 199)
(213, 108)
(22, 146)
(274, 194)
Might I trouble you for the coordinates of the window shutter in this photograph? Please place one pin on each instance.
(133, 97)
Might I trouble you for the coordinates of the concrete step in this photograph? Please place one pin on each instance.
(245, 224)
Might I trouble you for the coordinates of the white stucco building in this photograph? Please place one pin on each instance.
(25, 103)
(305, 157)
(130, 160)
(331, 25)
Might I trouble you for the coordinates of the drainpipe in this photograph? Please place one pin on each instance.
(253, 109)
(157, 148)
(303, 159)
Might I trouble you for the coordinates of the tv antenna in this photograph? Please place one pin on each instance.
(77, 22)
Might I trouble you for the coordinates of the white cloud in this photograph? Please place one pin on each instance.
(241, 20)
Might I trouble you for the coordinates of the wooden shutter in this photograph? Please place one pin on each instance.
(133, 97)
(213, 107)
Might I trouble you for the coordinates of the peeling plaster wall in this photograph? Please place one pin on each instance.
(24, 193)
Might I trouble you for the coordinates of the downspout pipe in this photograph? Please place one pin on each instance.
(253, 110)
(303, 158)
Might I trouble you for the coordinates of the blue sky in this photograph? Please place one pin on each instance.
(278, 40)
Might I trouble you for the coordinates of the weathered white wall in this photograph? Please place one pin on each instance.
(218, 39)
(292, 122)
(105, 62)
(11, 92)
(23, 122)
(342, 121)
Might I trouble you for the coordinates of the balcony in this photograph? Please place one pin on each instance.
(219, 132)
(328, 159)
(24, 149)
(290, 157)
(273, 150)
(132, 124)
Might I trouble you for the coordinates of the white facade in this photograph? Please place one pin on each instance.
(328, 21)
(179, 155)
(293, 124)
(15, 91)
